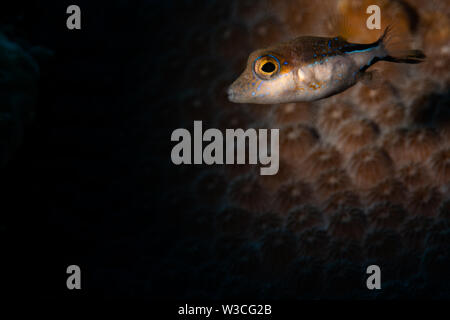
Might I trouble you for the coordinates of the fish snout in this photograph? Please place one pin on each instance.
(231, 94)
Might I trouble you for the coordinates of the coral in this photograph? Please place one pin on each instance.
(302, 218)
(267, 31)
(382, 244)
(321, 159)
(420, 144)
(332, 116)
(261, 113)
(233, 221)
(296, 141)
(299, 16)
(386, 215)
(438, 235)
(266, 222)
(344, 249)
(425, 201)
(332, 181)
(372, 97)
(356, 134)
(247, 193)
(369, 166)
(414, 176)
(240, 170)
(444, 213)
(394, 142)
(291, 113)
(390, 115)
(440, 166)
(413, 94)
(349, 223)
(414, 230)
(406, 146)
(343, 199)
(278, 249)
(363, 175)
(233, 118)
(436, 32)
(444, 132)
(273, 182)
(389, 190)
(246, 260)
(292, 194)
(437, 62)
(313, 242)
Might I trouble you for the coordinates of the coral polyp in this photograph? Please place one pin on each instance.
(302, 218)
(389, 190)
(389, 116)
(355, 135)
(331, 182)
(414, 176)
(339, 200)
(440, 166)
(348, 223)
(291, 113)
(292, 194)
(246, 192)
(321, 159)
(369, 166)
(425, 201)
(372, 97)
(332, 116)
(386, 215)
(296, 141)
(420, 144)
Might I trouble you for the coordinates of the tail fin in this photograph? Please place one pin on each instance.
(397, 50)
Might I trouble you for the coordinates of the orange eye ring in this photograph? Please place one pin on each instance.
(266, 67)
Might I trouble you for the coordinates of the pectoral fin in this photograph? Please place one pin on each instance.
(371, 79)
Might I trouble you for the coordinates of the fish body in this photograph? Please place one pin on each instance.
(309, 68)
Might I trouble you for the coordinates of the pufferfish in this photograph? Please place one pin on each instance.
(311, 68)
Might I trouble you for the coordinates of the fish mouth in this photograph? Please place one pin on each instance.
(235, 96)
(231, 95)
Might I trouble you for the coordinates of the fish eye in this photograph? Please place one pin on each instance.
(266, 67)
